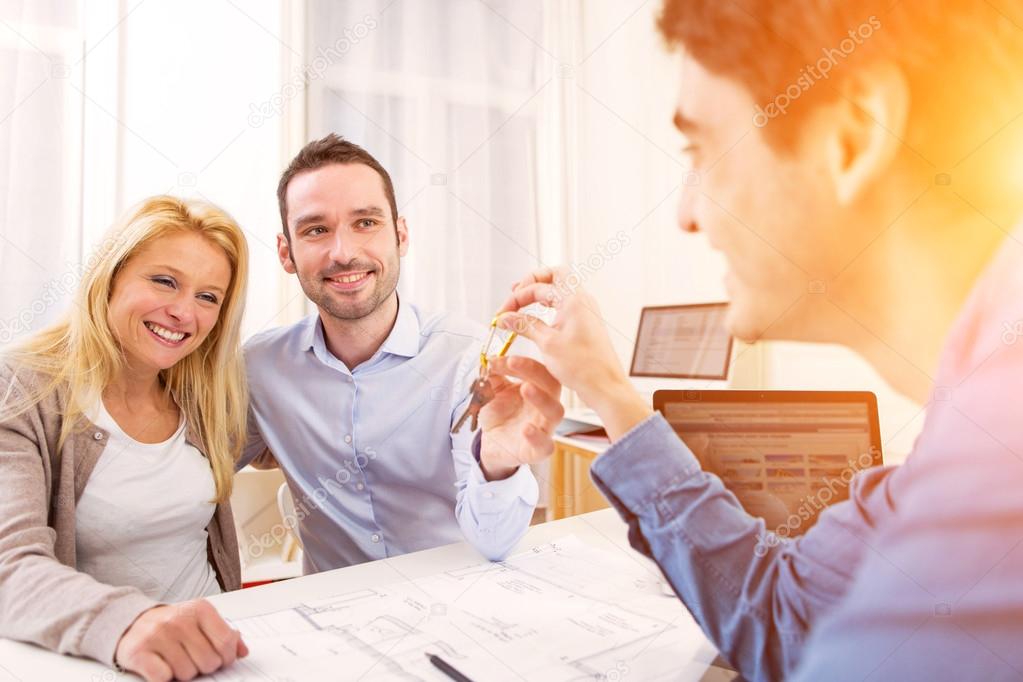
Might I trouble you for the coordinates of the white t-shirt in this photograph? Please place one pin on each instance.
(141, 520)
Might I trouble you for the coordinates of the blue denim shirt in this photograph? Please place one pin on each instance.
(918, 576)
(755, 595)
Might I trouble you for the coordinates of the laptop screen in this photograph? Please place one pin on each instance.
(784, 454)
(682, 342)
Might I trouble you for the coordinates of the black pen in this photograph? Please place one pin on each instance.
(446, 668)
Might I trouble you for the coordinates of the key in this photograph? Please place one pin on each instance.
(480, 389)
(481, 395)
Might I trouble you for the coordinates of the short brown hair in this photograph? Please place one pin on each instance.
(324, 152)
(960, 57)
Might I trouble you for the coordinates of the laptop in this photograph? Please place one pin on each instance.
(786, 455)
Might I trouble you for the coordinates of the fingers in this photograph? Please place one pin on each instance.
(528, 370)
(528, 326)
(179, 641)
(201, 654)
(151, 667)
(544, 275)
(547, 408)
(540, 442)
(542, 293)
(179, 660)
(221, 636)
(495, 380)
(506, 404)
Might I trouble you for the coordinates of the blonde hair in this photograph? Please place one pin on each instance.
(81, 355)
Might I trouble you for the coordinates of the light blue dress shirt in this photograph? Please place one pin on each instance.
(367, 453)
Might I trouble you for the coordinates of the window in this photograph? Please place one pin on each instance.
(40, 163)
(445, 94)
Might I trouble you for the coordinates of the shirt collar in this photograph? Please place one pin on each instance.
(313, 330)
(403, 339)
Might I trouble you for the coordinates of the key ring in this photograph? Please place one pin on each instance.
(485, 351)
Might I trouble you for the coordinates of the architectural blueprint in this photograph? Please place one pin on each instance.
(562, 611)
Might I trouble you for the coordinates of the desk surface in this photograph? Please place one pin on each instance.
(21, 662)
(578, 419)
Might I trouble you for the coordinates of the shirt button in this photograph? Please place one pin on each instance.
(489, 495)
(359, 486)
(348, 439)
(98, 435)
(375, 537)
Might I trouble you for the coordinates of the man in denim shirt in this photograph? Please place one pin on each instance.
(857, 165)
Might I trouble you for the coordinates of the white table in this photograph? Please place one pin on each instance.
(603, 529)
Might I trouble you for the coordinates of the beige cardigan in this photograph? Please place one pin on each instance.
(43, 599)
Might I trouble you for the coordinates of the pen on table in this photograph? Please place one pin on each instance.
(446, 668)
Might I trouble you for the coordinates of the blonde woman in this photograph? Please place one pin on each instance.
(119, 428)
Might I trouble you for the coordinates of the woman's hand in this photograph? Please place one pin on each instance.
(576, 347)
(179, 641)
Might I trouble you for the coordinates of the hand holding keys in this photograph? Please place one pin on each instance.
(481, 391)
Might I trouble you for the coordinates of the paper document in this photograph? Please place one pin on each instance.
(562, 611)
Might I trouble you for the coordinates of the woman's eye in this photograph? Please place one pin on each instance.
(165, 281)
(209, 297)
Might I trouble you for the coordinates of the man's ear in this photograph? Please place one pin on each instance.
(867, 128)
(401, 228)
(284, 254)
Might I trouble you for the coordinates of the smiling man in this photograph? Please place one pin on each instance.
(871, 208)
(356, 402)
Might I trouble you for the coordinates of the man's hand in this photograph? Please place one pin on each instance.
(576, 348)
(519, 422)
(179, 641)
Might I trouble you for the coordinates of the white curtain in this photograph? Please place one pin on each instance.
(40, 162)
(446, 95)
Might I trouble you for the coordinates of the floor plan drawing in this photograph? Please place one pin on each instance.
(561, 611)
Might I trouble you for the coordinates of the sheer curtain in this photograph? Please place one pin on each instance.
(40, 162)
(446, 94)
